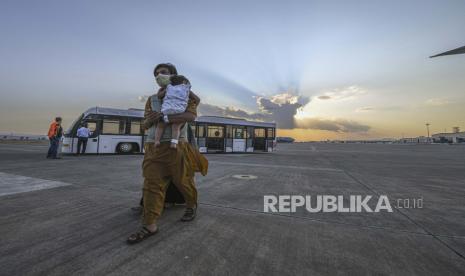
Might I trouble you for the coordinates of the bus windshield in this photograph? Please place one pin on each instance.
(71, 126)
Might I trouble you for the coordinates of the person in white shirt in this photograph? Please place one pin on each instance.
(83, 134)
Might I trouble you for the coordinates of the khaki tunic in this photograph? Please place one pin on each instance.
(163, 165)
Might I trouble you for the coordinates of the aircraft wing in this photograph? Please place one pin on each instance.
(460, 50)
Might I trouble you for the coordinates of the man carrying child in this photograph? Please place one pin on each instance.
(165, 163)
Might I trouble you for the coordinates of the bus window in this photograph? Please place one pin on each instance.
(201, 129)
(249, 132)
(92, 126)
(136, 128)
(73, 127)
(215, 131)
(113, 127)
(259, 133)
(270, 133)
(239, 133)
(229, 132)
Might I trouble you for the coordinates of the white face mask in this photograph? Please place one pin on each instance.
(163, 80)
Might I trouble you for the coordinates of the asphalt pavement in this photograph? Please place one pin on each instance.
(72, 216)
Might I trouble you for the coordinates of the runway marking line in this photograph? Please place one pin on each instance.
(13, 184)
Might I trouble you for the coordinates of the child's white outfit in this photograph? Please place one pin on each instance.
(176, 98)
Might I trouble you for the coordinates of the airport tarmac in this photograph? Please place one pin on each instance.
(72, 216)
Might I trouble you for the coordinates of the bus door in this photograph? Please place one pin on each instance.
(239, 139)
(92, 142)
(270, 139)
(215, 138)
(201, 137)
(249, 141)
(229, 139)
(259, 139)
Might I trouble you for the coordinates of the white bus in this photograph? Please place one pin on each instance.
(221, 134)
(120, 131)
(112, 131)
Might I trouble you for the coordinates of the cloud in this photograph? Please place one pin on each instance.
(347, 93)
(365, 109)
(281, 108)
(437, 102)
(336, 125)
(213, 110)
(379, 108)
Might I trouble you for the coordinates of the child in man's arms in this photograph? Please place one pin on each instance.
(175, 98)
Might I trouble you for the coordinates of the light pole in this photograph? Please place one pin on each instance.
(427, 131)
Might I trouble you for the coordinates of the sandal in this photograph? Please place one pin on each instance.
(189, 214)
(141, 235)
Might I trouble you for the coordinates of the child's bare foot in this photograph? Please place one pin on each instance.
(157, 144)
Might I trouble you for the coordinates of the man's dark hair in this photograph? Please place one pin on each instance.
(168, 66)
(178, 79)
(57, 119)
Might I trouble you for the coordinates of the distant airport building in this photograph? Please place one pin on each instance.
(285, 139)
(22, 137)
(453, 137)
(415, 140)
(371, 141)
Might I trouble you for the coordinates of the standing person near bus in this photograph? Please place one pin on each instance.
(83, 134)
(163, 164)
(55, 131)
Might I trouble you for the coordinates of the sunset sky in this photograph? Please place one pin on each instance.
(320, 69)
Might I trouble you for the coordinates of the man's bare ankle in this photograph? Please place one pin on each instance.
(152, 227)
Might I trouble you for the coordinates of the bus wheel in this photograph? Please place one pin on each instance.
(124, 148)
